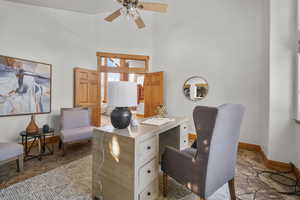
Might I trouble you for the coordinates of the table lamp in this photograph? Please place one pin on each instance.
(121, 95)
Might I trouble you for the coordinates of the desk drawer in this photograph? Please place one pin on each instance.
(148, 173)
(184, 129)
(150, 192)
(147, 149)
(184, 141)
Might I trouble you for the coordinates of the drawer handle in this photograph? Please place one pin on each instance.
(148, 147)
(149, 171)
(149, 193)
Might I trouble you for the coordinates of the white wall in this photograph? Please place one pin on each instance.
(122, 35)
(297, 145)
(63, 39)
(283, 40)
(226, 42)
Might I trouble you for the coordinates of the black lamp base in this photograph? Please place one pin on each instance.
(120, 117)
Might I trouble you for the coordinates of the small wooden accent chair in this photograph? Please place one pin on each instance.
(206, 169)
(12, 152)
(75, 126)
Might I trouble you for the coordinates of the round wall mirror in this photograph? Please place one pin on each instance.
(195, 88)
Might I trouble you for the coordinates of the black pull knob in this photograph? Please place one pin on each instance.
(149, 193)
(148, 147)
(149, 171)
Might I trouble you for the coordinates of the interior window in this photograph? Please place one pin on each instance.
(111, 62)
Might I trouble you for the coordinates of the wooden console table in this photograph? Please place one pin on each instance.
(126, 162)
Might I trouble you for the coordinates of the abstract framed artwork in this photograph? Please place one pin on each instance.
(25, 87)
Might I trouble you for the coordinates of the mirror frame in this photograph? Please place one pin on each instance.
(192, 77)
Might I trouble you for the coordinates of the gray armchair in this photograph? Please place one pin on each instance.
(75, 126)
(205, 169)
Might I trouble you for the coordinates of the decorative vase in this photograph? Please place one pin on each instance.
(46, 128)
(120, 117)
(32, 128)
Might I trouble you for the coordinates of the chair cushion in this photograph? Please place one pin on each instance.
(10, 150)
(190, 151)
(76, 134)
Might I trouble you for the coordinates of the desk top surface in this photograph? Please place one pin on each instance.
(142, 129)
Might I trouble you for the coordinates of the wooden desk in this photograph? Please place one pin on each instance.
(131, 159)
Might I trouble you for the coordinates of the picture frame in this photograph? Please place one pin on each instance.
(25, 87)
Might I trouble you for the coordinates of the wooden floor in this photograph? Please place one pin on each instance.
(248, 184)
(9, 175)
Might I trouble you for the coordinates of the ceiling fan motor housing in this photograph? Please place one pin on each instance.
(130, 3)
(130, 9)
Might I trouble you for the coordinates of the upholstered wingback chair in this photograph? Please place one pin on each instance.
(205, 169)
(75, 126)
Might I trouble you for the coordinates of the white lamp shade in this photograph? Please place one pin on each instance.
(122, 94)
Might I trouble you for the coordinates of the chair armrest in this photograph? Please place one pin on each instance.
(171, 152)
(177, 164)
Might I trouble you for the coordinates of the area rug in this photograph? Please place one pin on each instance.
(73, 182)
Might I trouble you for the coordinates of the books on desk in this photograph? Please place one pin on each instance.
(157, 121)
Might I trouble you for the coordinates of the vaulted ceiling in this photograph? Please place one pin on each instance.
(84, 6)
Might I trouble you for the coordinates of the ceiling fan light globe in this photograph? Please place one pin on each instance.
(135, 13)
(124, 11)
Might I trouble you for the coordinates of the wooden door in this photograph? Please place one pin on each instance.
(87, 92)
(153, 92)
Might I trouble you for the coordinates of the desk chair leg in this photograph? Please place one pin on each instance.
(232, 189)
(165, 184)
(20, 162)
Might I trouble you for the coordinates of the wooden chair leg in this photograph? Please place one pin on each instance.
(232, 189)
(20, 162)
(63, 146)
(202, 198)
(60, 144)
(18, 165)
(165, 184)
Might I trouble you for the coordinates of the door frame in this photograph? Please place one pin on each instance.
(122, 68)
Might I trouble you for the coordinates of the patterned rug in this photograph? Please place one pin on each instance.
(73, 182)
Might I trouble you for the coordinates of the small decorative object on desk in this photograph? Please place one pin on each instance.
(32, 128)
(134, 122)
(161, 111)
(46, 128)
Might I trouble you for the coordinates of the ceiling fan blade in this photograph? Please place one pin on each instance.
(139, 22)
(157, 7)
(113, 16)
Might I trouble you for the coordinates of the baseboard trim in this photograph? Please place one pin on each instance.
(250, 147)
(271, 164)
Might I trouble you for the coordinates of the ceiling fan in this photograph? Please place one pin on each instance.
(131, 10)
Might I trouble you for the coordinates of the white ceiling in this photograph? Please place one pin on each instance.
(84, 6)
